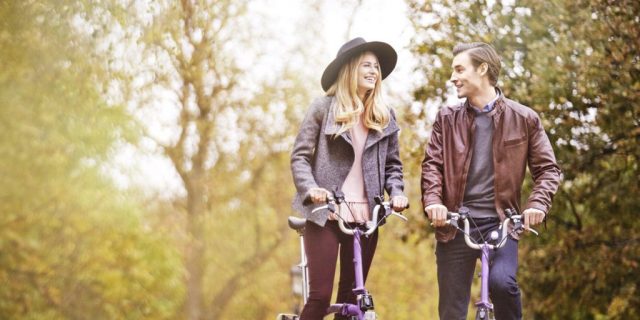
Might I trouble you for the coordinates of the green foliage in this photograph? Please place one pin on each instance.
(73, 246)
(576, 63)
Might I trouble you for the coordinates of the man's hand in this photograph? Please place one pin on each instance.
(532, 217)
(437, 213)
(399, 203)
(318, 195)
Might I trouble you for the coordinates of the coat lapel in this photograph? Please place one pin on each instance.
(375, 136)
(331, 128)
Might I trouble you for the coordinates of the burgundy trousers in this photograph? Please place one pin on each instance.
(322, 245)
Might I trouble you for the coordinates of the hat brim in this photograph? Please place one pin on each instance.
(387, 58)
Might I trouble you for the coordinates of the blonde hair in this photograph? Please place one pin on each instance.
(350, 107)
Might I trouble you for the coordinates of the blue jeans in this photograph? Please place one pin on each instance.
(456, 265)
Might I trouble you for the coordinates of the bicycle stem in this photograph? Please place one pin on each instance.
(484, 277)
(357, 261)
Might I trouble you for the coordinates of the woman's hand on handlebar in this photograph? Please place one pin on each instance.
(437, 213)
(399, 203)
(318, 195)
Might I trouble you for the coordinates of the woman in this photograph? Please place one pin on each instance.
(348, 141)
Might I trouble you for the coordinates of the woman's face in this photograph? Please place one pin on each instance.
(368, 73)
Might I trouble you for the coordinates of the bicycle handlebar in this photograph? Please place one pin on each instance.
(453, 218)
(371, 225)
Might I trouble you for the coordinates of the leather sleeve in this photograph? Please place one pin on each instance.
(543, 167)
(432, 166)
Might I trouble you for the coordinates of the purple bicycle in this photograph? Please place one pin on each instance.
(364, 309)
(484, 308)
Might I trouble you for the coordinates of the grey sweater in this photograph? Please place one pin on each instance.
(479, 194)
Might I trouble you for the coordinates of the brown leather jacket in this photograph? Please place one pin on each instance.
(519, 138)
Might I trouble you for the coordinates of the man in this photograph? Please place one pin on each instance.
(476, 158)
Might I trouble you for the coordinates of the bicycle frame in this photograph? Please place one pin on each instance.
(363, 310)
(484, 308)
(365, 301)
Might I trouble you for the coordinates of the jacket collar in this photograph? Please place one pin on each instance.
(331, 128)
(498, 108)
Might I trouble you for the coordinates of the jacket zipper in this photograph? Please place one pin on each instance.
(495, 165)
(467, 163)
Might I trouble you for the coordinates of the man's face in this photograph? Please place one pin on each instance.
(467, 80)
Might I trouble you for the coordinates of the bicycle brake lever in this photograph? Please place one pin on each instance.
(517, 225)
(451, 222)
(399, 216)
(532, 230)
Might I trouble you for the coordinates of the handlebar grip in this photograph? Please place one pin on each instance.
(405, 207)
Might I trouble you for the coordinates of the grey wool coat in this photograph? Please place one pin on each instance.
(319, 159)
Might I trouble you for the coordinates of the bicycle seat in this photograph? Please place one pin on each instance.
(296, 223)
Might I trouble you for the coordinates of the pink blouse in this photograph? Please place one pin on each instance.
(356, 207)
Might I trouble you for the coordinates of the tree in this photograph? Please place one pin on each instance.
(73, 246)
(226, 140)
(576, 64)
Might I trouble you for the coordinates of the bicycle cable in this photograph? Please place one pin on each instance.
(345, 221)
(476, 228)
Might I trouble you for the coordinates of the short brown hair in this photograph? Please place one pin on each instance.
(480, 53)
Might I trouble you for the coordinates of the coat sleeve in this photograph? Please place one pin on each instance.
(394, 185)
(544, 169)
(432, 166)
(304, 147)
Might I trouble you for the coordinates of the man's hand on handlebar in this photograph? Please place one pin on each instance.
(531, 217)
(437, 213)
(318, 195)
(399, 203)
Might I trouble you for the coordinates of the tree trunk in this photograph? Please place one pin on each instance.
(195, 252)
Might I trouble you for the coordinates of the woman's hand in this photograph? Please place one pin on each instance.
(399, 203)
(318, 195)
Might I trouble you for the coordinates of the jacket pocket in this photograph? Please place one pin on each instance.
(515, 142)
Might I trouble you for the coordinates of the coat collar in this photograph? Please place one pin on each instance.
(331, 127)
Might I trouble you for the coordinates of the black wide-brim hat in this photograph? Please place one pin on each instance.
(387, 58)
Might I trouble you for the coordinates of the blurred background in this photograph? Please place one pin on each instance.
(144, 150)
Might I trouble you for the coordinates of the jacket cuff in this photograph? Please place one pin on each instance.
(537, 205)
(396, 192)
(429, 200)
